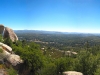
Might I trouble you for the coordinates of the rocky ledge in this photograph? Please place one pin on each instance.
(8, 33)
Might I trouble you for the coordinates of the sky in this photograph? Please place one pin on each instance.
(51, 15)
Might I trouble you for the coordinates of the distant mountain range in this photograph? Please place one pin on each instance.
(54, 32)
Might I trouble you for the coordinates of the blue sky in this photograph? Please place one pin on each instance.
(51, 15)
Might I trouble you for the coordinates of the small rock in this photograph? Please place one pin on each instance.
(72, 73)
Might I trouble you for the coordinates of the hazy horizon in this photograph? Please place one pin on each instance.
(51, 15)
(57, 31)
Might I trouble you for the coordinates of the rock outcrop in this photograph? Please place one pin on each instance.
(1, 29)
(9, 33)
(9, 55)
(72, 73)
(70, 53)
(14, 59)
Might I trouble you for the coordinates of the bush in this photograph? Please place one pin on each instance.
(1, 51)
(11, 71)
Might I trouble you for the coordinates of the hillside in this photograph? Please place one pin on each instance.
(58, 49)
(54, 54)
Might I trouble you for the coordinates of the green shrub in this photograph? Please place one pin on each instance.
(1, 51)
(11, 71)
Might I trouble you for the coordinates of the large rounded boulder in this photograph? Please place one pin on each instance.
(9, 33)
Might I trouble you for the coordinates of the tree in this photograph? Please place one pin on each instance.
(64, 64)
(49, 69)
(87, 63)
(32, 56)
(8, 41)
